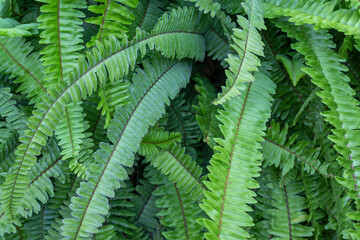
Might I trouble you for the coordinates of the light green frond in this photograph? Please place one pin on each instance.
(181, 170)
(62, 33)
(236, 164)
(81, 162)
(152, 87)
(248, 46)
(207, 6)
(111, 95)
(113, 19)
(320, 13)
(157, 138)
(10, 28)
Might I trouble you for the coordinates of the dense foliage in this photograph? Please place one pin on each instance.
(179, 119)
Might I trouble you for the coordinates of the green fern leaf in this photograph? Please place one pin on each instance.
(17, 59)
(151, 87)
(8, 110)
(84, 79)
(181, 170)
(147, 13)
(157, 138)
(113, 19)
(236, 163)
(248, 47)
(63, 35)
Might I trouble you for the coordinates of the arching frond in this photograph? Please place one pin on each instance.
(130, 124)
(319, 13)
(247, 46)
(99, 66)
(236, 164)
(181, 170)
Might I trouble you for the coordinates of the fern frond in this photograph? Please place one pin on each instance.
(287, 210)
(217, 43)
(179, 213)
(11, 28)
(70, 131)
(41, 187)
(12, 114)
(151, 89)
(113, 19)
(17, 60)
(207, 6)
(319, 13)
(112, 94)
(146, 15)
(237, 161)
(81, 162)
(281, 152)
(206, 112)
(248, 46)
(157, 138)
(326, 71)
(180, 168)
(181, 119)
(62, 34)
(84, 80)
(144, 206)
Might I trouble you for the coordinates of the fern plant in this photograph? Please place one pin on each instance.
(179, 119)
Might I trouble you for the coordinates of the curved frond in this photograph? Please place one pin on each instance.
(319, 13)
(248, 46)
(62, 34)
(113, 19)
(99, 66)
(236, 164)
(180, 168)
(151, 90)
